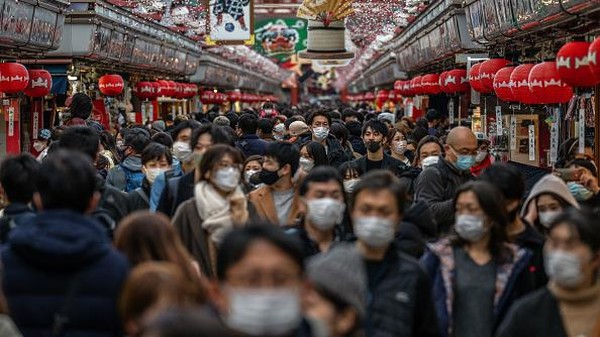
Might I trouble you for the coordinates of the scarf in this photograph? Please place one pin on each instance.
(220, 215)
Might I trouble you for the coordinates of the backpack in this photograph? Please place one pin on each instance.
(133, 179)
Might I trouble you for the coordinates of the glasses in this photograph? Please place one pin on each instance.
(465, 151)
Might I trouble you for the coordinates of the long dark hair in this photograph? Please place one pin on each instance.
(317, 152)
(492, 203)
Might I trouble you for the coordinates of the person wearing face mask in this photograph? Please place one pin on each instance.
(252, 166)
(511, 183)
(260, 284)
(483, 159)
(570, 305)
(548, 198)
(397, 145)
(277, 201)
(312, 154)
(219, 205)
(374, 134)
(586, 190)
(248, 141)
(428, 152)
(437, 185)
(128, 175)
(400, 302)
(351, 174)
(279, 132)
(156, 159)
(338, 292)
(323, 206)
(475, 273)
(319, 123)
(42, 143)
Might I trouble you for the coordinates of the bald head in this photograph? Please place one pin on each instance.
(460, 141)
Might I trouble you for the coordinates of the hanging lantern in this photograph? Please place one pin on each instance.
(398, 87)
(382, 96)
(369, 96)
(488, 71)
(157, 89)
(208, 97)
(546, 85)
(594, 60)
(442, 81)
(111, 84)
(406, 89)
(40, 83)
(520, 90)
(14, 77)
(393, 96)
(475, 78)
(164, 88)
(415, 86)
(178, 93)
(573, 65)
(235, 96)
(503, 85)
(430, 84)
(145, 90)
(457, 81)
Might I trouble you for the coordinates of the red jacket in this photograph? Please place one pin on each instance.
(478, 169)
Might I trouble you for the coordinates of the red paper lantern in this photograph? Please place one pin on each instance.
(178, 90)
(406, 89)
(503, 84)
(191, 90)
(208, 96)
(145, 90)
(398, 85)
(111, 84)
(157, 89)
(40, 83)
(393, 95)
(14, 77)
(593, 58)
(415, 86)
(164, 88)
(488, 71)
(546, 85)
(456, 81)
(573, 65)
(430, 84)
(369, 96)
(520, 90)
(475, 78)
(235, 96)
(382, 96)
(442, 81)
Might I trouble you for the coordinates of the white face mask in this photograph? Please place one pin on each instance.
(400, 147)
(547, 217)
(325, 213)
(181, 150)
(481, 156)
(564, 268)
(350, 184)
(306, 164)
(152, 173)
(120, 144)
(248, 174)
(321, 133)
(429, 161)
(263, 312)
(39, 147)
(227, 179)
(470, 227)
(374, 231)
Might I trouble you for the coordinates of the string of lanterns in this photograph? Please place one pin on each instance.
(16, 78)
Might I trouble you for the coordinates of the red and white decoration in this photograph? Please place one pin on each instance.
(594, 60)
(145, 90)
(456, 82)
(475, 78)
(487, 72)
(503, 85)
(573, 65)
(520, 91)
(111, 85)
(40, 83)
(547, 86)
(430, 84)
(14, 77)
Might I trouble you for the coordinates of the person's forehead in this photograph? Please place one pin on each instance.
(324, 186)
(265, 255)
(320, 119)
(375, 197)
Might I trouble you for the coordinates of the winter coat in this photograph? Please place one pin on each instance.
(177, 191)
(251, 145)
(117, 177)
(112, 206)
(437, 186)
(389, 163)
(188, 224)
(357, 144)
(309, 246)
(262, 201)
(536, 315)
(15, 214)
(400, 302)
(335, 153)
(440, 266)
(42, 262)
(161, 182)
(139, 199)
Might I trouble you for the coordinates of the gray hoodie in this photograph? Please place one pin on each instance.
(550, 184)
(116, 175)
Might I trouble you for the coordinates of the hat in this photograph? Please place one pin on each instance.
(45, 134)
(221, 121)
(481, 138)
(388, 116)
(297, 128)
(550, 184)
(159, 125)
(341, 273)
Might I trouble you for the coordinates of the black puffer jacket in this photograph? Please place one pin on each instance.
(400, 299)
(335, 153)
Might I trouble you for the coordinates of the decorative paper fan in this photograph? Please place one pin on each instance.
(325, 11)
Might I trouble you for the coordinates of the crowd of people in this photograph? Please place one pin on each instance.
(293, 222)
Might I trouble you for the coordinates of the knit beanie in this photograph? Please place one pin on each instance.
(341, 273)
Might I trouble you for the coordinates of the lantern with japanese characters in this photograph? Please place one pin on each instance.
(547, 86)
(520, 90)
(503, 84)
(573, 65)
(145, 90)
(488, 71)
(415, 86)
(430, 84)
(456, 82)
(14, 77)
(111, 84)
(594, 60)
(475, 78)
(40, 83)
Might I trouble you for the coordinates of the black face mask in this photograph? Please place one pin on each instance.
(268, 177)
(373, 146)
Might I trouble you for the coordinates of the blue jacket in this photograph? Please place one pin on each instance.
(439, 264)
(251, 144)
(40, 262)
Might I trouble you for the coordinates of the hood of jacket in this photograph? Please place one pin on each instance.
(133, 163)
(60, 240)
(550, 184)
